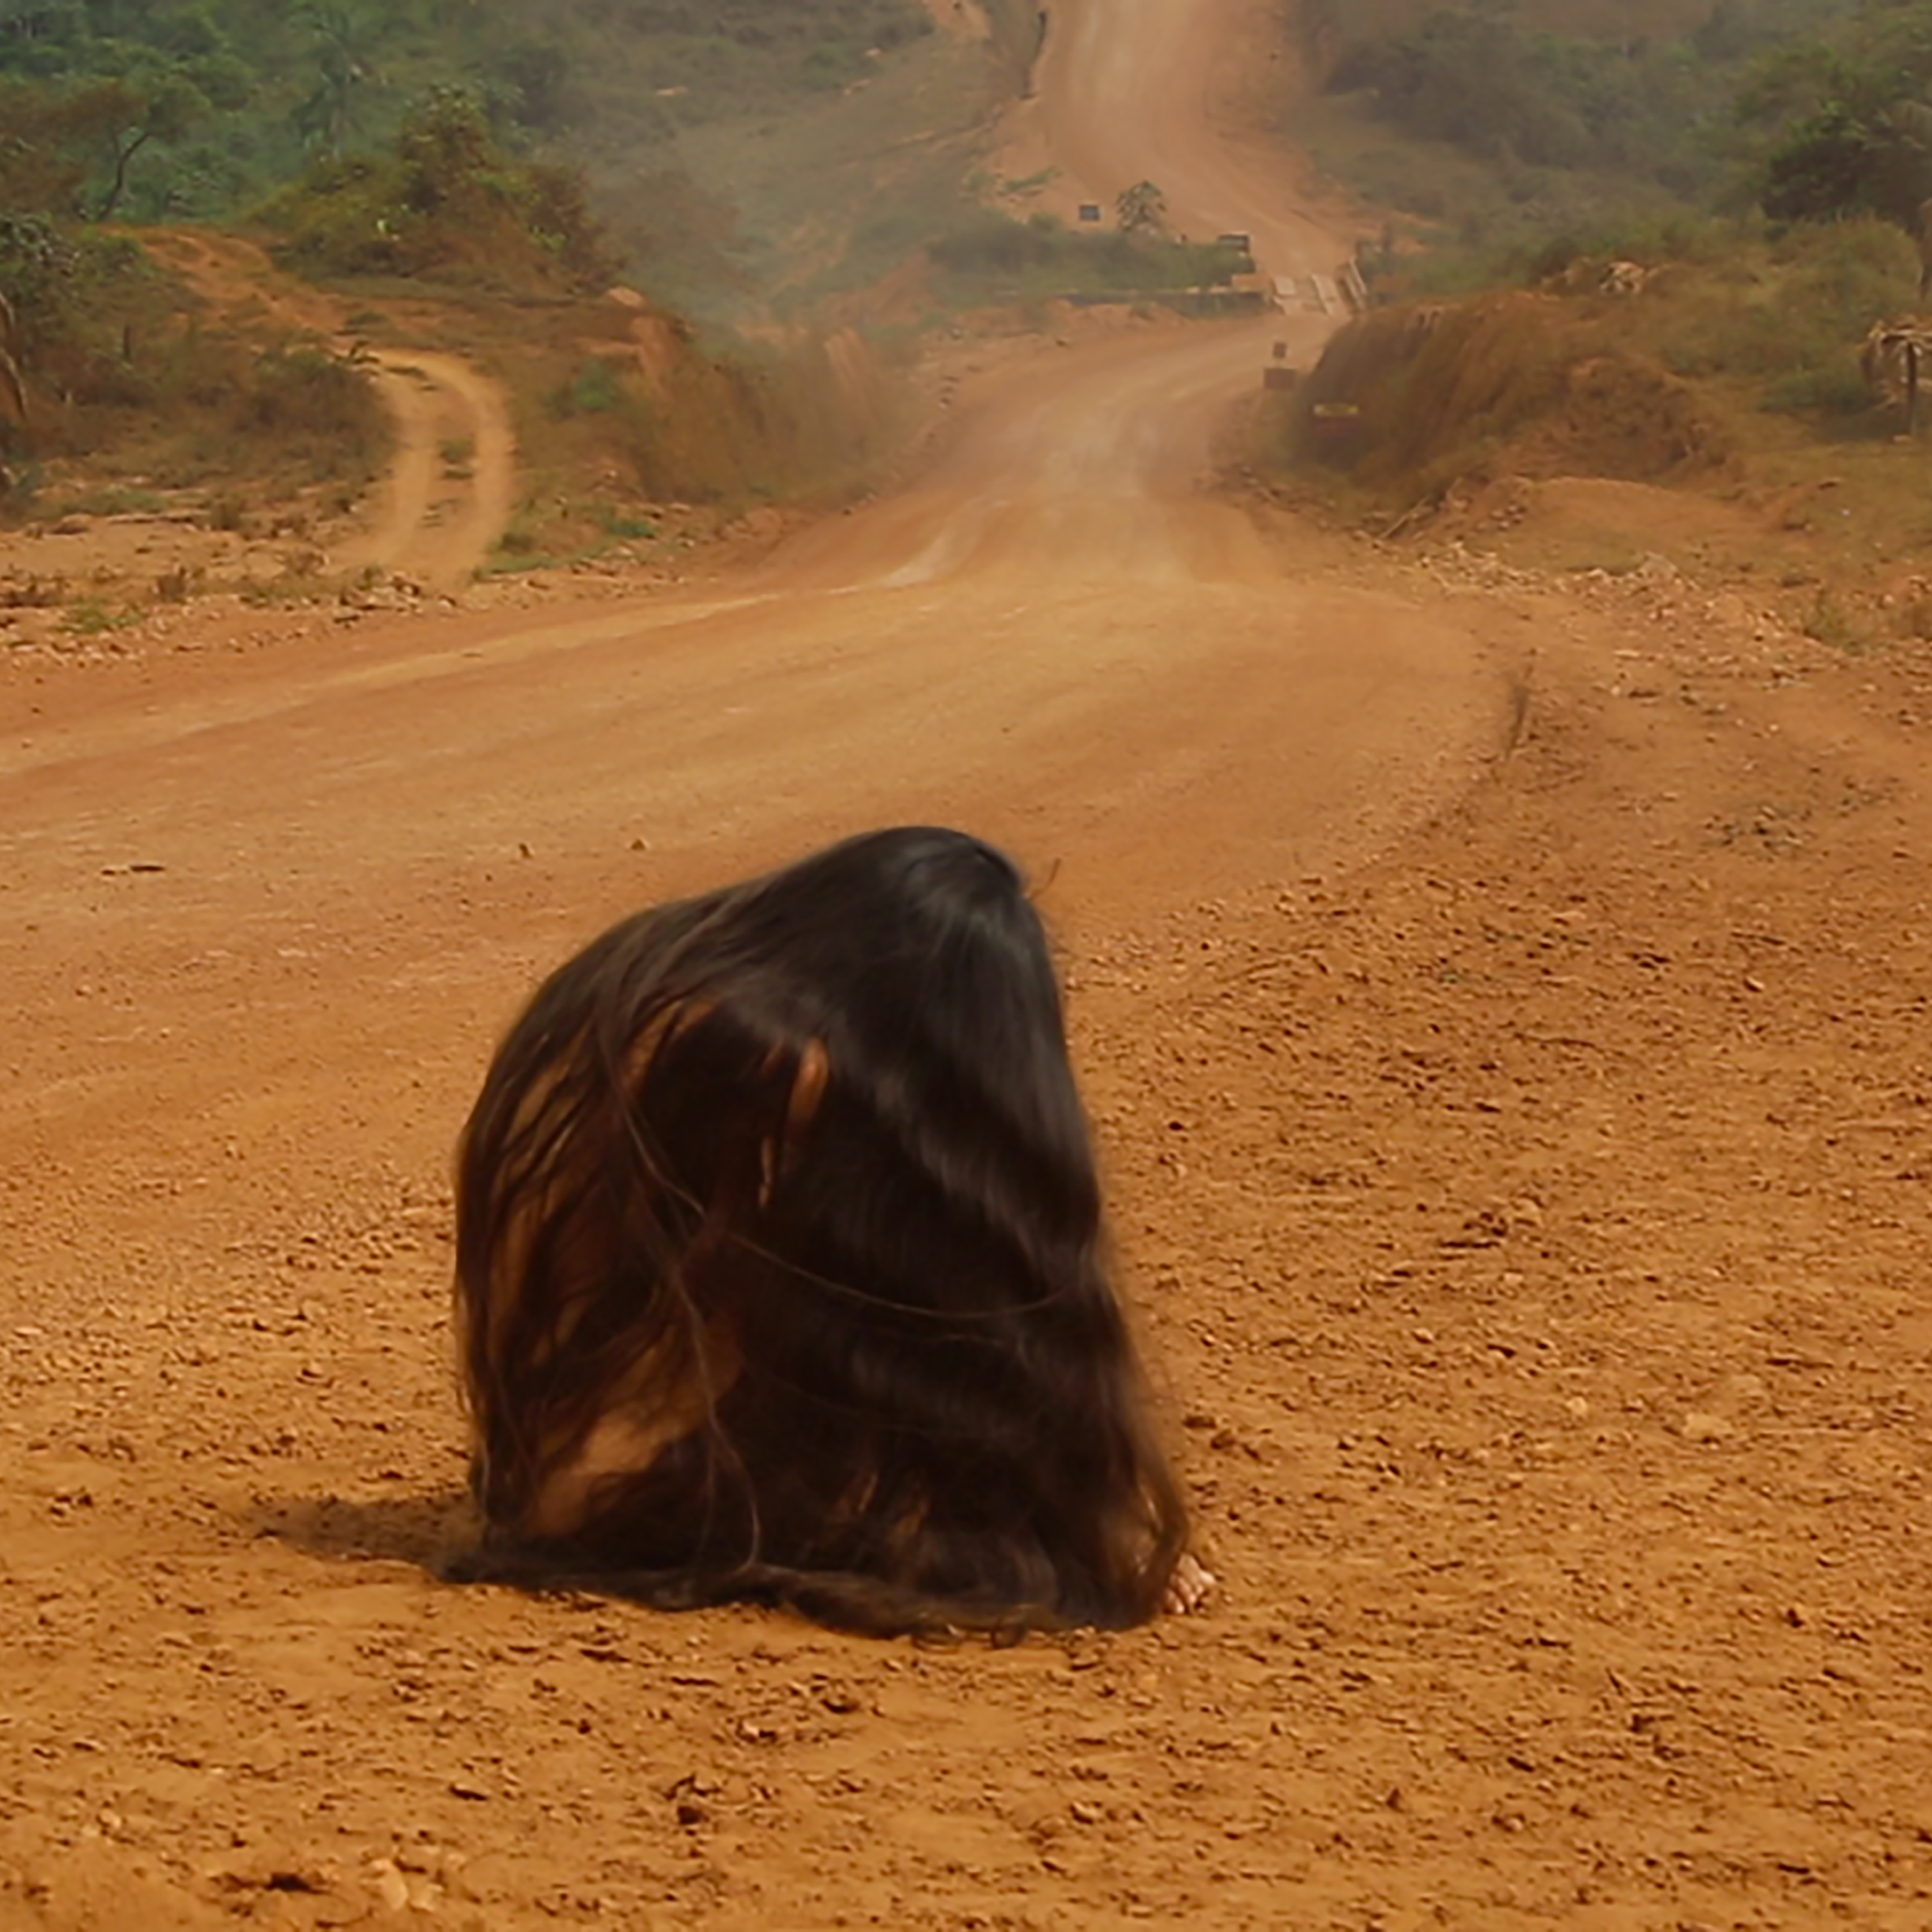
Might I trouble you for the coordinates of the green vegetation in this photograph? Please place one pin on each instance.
(1726, 363)
(103, 354)
(452, 154)
(987, 256)
(593, 389)
(1536, 141)
(142, 390)
(1781, 322)
(110, 362)
(198, 107)
(152, 110)
(91, 618)
(1647, 242)
(1482, 82)
(448, 203)
(1495, 121)
(1849, 118)
(737, 153)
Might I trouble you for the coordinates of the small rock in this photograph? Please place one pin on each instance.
(391, 1885)
(1700, 1427)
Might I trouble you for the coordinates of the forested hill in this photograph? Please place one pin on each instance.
(1619, 21)
(1680, 241)
(198, 108)
(1806, 108)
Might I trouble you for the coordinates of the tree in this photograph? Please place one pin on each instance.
(13, 380)
(449, 159)
(446, 200)
(37, 271)
(1845, 126)
(38, 267)
(163, 106)
(343, 50)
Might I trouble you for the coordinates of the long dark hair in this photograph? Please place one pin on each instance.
(780, 1266)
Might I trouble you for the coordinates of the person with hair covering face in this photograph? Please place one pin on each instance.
(781, 1272)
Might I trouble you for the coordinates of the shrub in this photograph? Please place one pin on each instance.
(1795, 331)
(595, 388)
(446, 201)
(307, 392)
(988, 252)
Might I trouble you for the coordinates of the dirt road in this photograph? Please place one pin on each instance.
(1502, 1006)
(451, 481)
(1151, 90)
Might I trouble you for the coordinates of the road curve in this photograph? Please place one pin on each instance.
(438, 514)
(1127, 91)
(271, 908)
(450, 487)
(1056, 638)
(1528, 1240)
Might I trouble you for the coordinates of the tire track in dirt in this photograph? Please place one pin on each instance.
(448, 493)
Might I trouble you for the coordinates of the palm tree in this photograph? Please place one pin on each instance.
(13, 381)
(344, 65)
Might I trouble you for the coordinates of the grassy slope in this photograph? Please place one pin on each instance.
(1370, 19)
(817, 192)
(1644, 75)
(1734, 374)
(727, 136)
(740, 157)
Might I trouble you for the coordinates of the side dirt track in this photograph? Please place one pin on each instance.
(432, 522)
(1503, 1003)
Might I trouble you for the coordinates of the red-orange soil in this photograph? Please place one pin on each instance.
(1503, 1002)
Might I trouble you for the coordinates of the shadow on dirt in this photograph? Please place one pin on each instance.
(427, 1531)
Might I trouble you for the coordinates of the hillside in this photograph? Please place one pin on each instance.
(1484, 125)
(1715, 412)
(461, 184)
(232, 97)
(692, 122)
(1648, 245)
